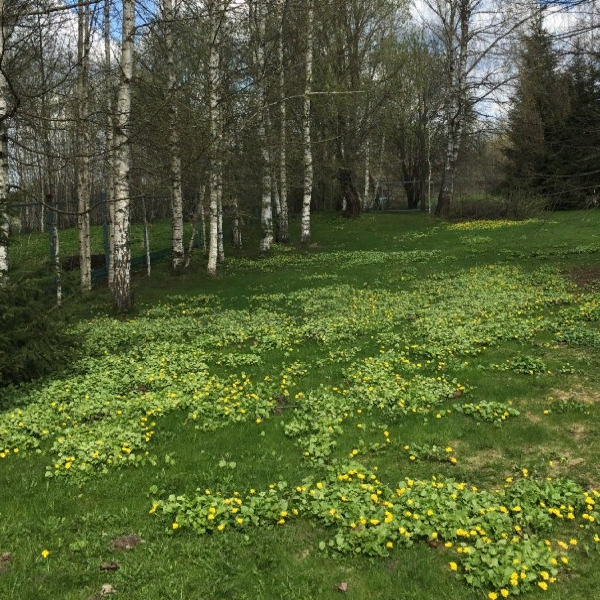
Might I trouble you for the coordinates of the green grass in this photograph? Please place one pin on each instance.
(477, 306)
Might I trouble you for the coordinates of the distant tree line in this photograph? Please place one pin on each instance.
(274, 107)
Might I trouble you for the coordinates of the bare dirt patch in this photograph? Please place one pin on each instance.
(578, 431)
(5, 562)
(567, 466)
(477, 460)
(126, 542)
(585, 276)
(578, 393)
(534, 418)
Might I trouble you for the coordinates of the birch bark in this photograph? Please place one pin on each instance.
(4, 222)
(215, 130)
(283, 229)
(259, 16)
(83, 145)
(220, 245)
(306, 129)
(122, 293)
(109, 151)
(456, 39)
(177, 261)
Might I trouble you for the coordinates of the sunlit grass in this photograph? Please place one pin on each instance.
(321, 335)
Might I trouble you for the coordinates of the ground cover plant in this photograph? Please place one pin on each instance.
(413, 410)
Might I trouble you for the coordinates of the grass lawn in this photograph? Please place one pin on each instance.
(405, 409)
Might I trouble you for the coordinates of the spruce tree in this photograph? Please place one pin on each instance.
(537, 119)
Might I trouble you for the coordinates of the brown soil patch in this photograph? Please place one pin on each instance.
(126, 542)
(566, 467)
(4, 562)
(585, 276)
(481, 458)
(534, 418)
(579, 394)
(578, 431)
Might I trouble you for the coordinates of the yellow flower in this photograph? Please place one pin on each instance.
(543, 585)
(492, 595)
(504, 593)
(153, 509)
(573, 542)
(45, 553)
(453, 566)
(175, 525)
(390, 545)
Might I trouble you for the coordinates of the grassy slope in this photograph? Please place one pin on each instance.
(77, 523)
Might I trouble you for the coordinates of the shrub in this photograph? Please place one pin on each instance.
(511, 206)
(34, 340)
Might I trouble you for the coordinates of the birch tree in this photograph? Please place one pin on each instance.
(471, 35)
(4, 222)
(109, 172)
(306, 127)
(216, 13)
(258, 16)
(174, 142)
(83, 144)
(283, 234)
(455, 18)
(122, 293)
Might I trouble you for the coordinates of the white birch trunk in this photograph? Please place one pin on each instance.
(177, 260)
(122, 293)
(308, 162)
(266, 213)
(366, 195)
(56, 257)
(215, 130)
(266, 208)
(203, 222)
(283, 228)
(457, 100)
(220, 245)
(109, 182)
(83, 147)
(4, 223)
(275, 201)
